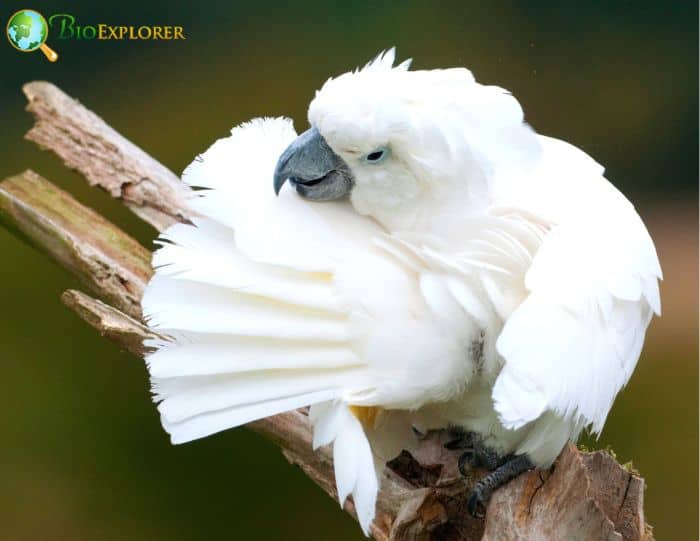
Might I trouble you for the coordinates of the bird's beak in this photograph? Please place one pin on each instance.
(315, 171)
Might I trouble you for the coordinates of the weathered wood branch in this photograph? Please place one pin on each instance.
(584, 496)
(105, 158)
(125, 331)
(109, 262)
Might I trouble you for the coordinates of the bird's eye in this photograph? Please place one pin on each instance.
(376, 156)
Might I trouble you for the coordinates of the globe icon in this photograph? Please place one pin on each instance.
(27, 31)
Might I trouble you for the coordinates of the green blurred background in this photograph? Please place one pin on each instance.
(82, 454)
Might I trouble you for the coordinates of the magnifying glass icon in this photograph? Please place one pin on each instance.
(27, 31)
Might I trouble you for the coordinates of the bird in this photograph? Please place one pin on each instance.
(419, 258)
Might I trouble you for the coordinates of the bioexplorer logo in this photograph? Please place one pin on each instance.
(27, 31)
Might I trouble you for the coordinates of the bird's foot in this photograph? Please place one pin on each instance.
(479, 457)
(476, 454)
(482, 491)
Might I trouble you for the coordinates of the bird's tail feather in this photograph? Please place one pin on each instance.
(353, 461)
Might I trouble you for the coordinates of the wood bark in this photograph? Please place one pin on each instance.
(584, 496)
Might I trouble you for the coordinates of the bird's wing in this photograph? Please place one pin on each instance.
(260, 300)
(592, 288)
(245, 292)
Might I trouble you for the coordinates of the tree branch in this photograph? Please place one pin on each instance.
(105, 259)
(584, 496)
(127, 332)
(105, 158)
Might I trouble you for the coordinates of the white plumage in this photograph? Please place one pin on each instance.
(481, 276)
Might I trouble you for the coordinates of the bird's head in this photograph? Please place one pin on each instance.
(403, 144)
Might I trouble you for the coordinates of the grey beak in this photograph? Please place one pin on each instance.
(315, 171)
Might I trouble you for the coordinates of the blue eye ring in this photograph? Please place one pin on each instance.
(376, 156)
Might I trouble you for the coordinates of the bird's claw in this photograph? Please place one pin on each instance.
(476, 505)
(482, 491)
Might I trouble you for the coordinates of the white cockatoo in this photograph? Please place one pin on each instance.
(429, 262)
